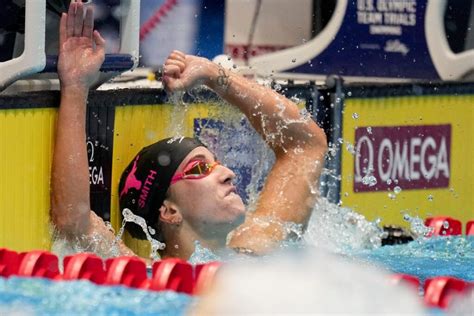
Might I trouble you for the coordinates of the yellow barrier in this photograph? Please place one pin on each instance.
(25, 165)
(456, 199)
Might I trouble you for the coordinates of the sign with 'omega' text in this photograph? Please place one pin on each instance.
(411, 157)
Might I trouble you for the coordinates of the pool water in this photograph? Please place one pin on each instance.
(35, 296)
(426, 258)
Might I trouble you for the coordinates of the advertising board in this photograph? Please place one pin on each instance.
(408, 155)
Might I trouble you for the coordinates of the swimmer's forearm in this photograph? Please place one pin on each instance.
(70, 205)
(274, 116)
(70, 202)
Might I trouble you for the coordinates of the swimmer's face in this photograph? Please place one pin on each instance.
(211, 202)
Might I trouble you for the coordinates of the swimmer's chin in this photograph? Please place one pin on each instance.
(239, 217)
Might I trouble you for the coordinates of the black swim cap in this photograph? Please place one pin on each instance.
(145, 181)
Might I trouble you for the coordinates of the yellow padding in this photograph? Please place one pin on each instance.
(25, 164)
(139, 126)
(457, 200)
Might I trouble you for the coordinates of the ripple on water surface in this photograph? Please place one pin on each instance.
(44, 297)
(429, 257)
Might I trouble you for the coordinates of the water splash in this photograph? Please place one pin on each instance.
(202, 254)
(176, 126)
(341, 230)
(417, 226)
(95, 243)
(128, 216)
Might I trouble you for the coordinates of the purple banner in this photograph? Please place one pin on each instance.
(410, 157)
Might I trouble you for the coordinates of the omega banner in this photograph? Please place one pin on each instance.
(411, 157)
(407, 150)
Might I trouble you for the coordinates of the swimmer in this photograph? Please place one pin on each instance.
(179, 187)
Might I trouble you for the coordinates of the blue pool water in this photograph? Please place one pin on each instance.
(24, 296)
(423, 258)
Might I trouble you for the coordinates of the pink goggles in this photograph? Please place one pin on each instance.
(196, 169)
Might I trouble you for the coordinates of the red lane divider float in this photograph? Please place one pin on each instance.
(39, 263)
(128, 271)
(9, 262)
(439, 291)
(172, 274)
(167, 275)
(84, 266)
(470, 228)
(410, 280)
(205, 274)
(444, 226)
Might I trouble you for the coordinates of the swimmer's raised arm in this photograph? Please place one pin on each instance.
(81, 53)
(298, 143)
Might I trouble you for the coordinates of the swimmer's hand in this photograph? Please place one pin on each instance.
(182, 72)
(79, 61)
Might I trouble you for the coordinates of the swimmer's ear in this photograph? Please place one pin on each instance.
(169, 213)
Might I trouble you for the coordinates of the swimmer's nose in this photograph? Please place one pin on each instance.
(226, 175)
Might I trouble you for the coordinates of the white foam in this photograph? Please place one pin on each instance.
(462, 304)
(310, 282)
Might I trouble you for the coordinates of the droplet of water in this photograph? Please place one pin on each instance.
(369, 180)
(164, 159)
(350, 148)
(369, 130)
(355, 116)
(392, 196)
(430, 198)
(151, 230)
(445, 224)
(389, 181)
(397, 190)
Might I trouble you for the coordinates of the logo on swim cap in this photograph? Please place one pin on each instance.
(132, 182)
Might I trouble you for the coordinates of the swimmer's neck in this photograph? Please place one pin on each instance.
(182, 242)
